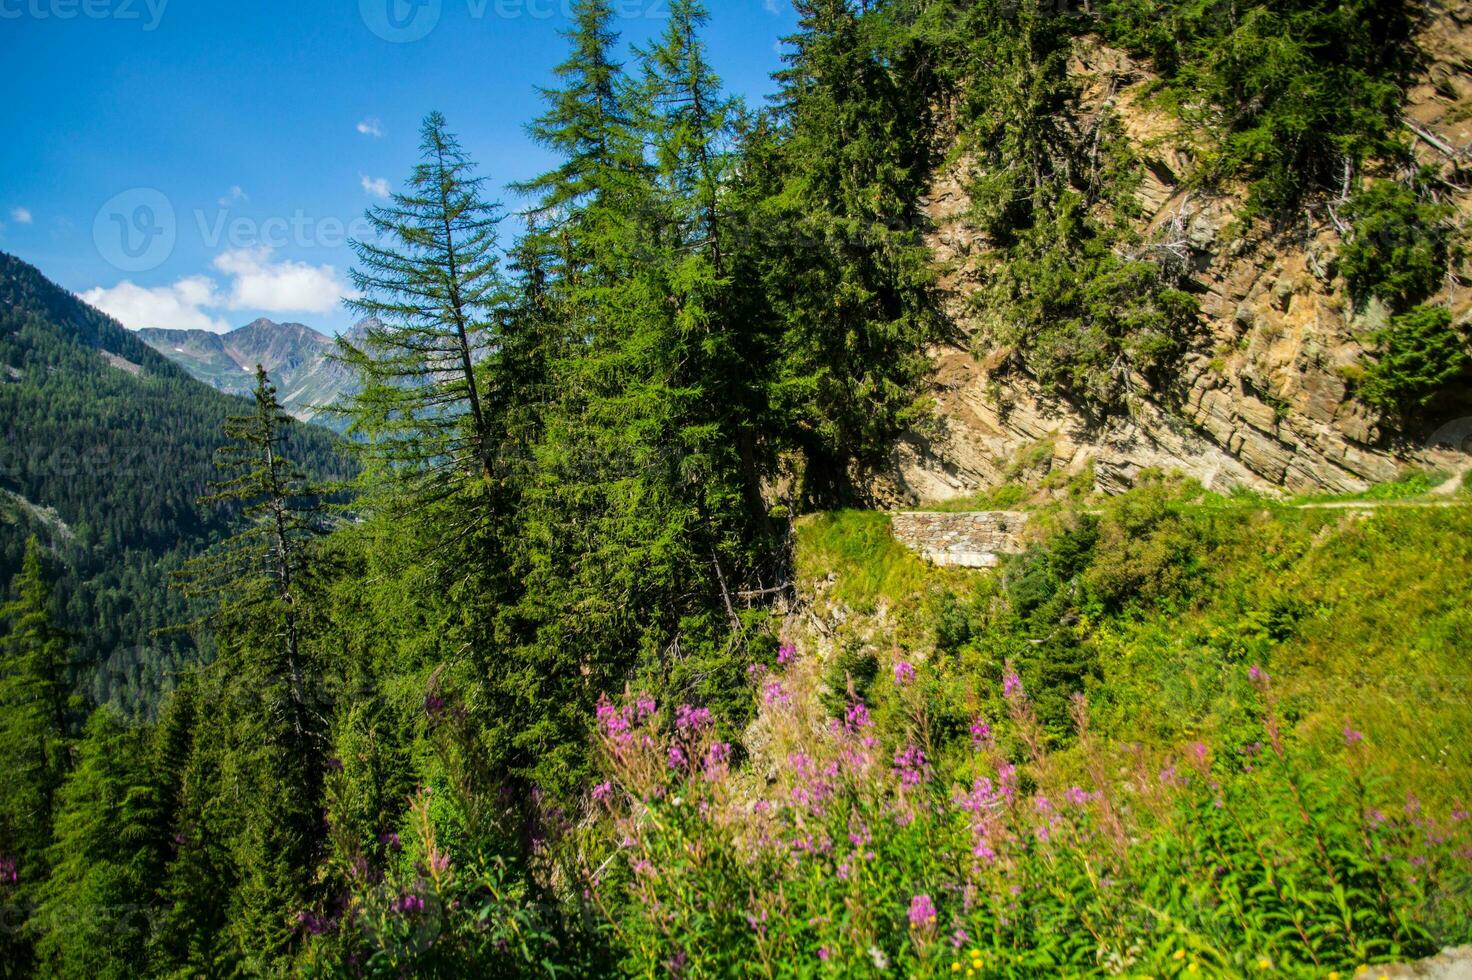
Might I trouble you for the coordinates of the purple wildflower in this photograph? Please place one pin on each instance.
(677, 757)
(786, 653)
(922, 912)
(408, 904)
(1012, 685)
(389, 840)
(857, 717)
(776, 694)
(910, 766)
(1352, 737)
(689, 721)
(603, 792)
(904, 672)
(981, 734)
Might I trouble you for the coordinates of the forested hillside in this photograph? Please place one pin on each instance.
(595, 675)
(107, 446)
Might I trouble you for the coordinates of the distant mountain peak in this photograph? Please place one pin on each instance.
(296, 356)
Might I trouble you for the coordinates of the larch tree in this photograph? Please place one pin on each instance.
(430, 282)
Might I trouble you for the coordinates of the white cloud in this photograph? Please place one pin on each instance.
(233, 196)
(175, 307)
(770, 6)
(371, 127)
(377, 186)
(21, 215)
(257, 283)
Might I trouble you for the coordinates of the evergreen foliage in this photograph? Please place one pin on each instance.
(35, 749)
(103, 466)
(1421, 355)
(486, 712)
(1399, 246)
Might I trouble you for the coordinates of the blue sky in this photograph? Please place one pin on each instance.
(198, 163)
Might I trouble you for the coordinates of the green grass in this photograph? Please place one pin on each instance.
(860, 548)
(1362, 618)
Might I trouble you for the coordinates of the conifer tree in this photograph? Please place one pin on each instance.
(432, 284)
(34, 750)
(96, 907)
(852, 285)
(260, 731)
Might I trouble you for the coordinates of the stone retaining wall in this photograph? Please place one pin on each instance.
(974, 539)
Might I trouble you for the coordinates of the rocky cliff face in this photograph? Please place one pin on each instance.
(1261, 400)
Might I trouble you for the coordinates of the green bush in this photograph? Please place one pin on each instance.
(1399, 247)
(1421, 354)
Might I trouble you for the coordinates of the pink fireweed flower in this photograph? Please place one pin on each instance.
(1256, 674)
(677, 757)
(603, 792)
(786, 653)
(904, 672)
(857, 717)
(922, 912)
(1076, 796)
(981, 734)
(1352, 737)
(718, 754)
(611, 721)
(1012, 685)
(910, 765)
(755, 671)
(408, 904)
(689, 721)
(644, 706)
(823, 953)
(1007, 778)
(776, 694)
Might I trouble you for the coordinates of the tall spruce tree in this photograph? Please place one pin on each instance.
(260, 733)
(97, 905)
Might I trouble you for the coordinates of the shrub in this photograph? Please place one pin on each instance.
(1399, 247)
(1294, 90)
(1421, 353)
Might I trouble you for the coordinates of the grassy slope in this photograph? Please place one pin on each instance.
(1360, 619)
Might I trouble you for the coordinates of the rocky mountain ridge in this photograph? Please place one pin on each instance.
(297, 357)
